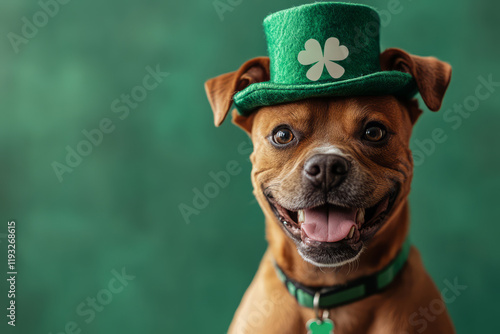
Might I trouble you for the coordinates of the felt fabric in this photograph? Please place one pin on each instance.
(323, 49)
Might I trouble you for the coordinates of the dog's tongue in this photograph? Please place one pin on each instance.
(328, 223)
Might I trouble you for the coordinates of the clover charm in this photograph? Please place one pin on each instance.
(316, 326)
(314, 55)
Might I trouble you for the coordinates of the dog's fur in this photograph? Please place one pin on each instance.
(334, 126)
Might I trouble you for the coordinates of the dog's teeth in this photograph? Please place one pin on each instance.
(351, 232)
(360, 217)
(301, 216)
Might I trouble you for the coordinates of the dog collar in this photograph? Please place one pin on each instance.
(337, 295)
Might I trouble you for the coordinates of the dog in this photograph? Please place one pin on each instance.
(332, 175)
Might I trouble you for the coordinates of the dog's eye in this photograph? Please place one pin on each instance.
(374, 132)
(283, 136)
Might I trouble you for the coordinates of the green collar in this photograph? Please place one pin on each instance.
(337, 295)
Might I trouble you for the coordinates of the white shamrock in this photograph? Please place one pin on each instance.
(313, 54)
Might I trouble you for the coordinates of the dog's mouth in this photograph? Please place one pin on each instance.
(331, 225)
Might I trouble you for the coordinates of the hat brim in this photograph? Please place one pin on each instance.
(269, 93)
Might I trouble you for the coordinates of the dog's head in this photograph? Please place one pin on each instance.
(331, 171)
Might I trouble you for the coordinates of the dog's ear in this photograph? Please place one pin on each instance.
(220, 90)
(432, 75)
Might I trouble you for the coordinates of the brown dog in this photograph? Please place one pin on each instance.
(349, 156)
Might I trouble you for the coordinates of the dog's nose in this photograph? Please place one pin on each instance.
(326, 170)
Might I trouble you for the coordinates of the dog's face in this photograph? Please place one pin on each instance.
(330, 171)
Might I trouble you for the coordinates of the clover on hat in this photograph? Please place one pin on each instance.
(323, 49)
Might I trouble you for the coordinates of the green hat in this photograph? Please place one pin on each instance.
(323, 49)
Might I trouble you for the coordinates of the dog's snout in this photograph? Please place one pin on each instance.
(326, 170)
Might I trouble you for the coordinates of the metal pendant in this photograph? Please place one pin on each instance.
(317, 326)
(320, 325)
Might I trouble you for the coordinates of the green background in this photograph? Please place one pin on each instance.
(119, 208)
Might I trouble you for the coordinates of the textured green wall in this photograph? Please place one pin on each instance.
(119, 206)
